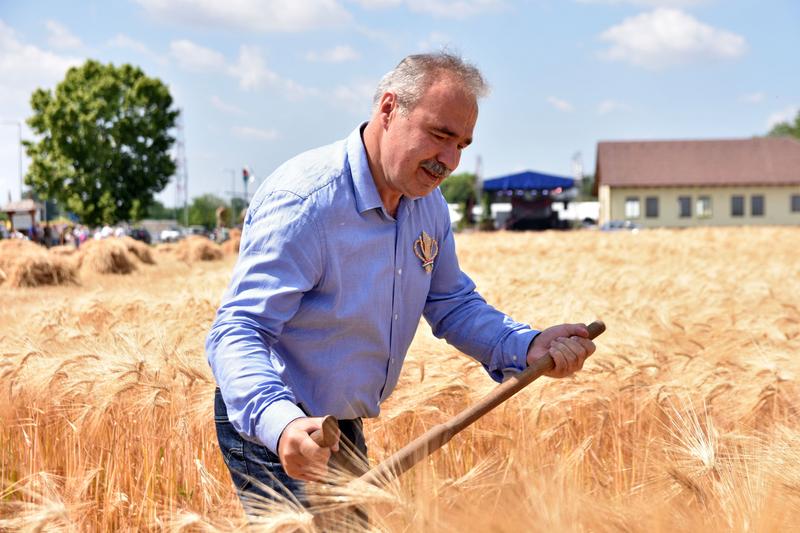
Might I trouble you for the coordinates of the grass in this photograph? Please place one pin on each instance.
(685, 419)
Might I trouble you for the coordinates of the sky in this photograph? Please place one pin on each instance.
(258, 82)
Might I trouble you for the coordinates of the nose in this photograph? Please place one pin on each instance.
(450, 156)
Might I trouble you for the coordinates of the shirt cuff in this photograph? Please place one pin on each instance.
(274, 420)
(515, 350)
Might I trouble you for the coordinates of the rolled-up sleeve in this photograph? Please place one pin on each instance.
(280, 259)
(457, 313)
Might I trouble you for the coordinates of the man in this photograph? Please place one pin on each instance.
(343, 249)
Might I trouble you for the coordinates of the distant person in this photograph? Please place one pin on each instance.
(343, 249)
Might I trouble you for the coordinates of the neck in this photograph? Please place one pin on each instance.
(389, 197)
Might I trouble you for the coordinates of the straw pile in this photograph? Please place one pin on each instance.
(25, 264)
(231, 246)
(107, 256)
(196, 248)
(139, 249)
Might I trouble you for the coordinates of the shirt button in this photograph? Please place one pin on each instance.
(395, 316)
(399, 271)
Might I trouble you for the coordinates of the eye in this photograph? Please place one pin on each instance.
(439, 136)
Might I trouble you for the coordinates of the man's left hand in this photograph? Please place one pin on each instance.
(568, 345)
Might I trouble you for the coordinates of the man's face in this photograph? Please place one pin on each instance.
(421, 148)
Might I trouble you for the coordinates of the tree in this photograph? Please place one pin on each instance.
(460, 189)
(787, 129)
(104, 142)
(203, 210)
(158, 211)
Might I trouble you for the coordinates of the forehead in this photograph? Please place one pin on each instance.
(447, 104)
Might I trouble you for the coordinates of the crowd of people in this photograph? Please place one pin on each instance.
(59, 234)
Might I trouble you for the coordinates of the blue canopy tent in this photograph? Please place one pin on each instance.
(527, 181)
(531, 197)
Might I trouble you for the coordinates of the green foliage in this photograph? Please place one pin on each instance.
(104, 142)
(585, 188)
(787, 129)
(158, 211)
(203, 210)
(459, 188)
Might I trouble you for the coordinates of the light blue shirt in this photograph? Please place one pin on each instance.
(328, 292)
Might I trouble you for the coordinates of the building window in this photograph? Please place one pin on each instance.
(684, 206)
(703, 207)
(757, 205)
(651, 207)
(632, 207)
(737, 206)
(796, 203)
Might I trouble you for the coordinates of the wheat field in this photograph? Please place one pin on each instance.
(686, 418)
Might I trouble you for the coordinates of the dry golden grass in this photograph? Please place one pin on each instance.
(686, 419)
(24, 264)
(198, 248)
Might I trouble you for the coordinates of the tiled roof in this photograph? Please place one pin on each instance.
(757, 161)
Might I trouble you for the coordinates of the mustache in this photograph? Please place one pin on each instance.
(436, 168)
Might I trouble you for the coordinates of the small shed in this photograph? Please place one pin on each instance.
(23, 214)
(531, 195)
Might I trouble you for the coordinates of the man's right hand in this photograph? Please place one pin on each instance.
(299, 454)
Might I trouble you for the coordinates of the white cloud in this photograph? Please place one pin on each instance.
(753, 98)
(609, 106)
(24, 67)
(435, 41)
(257, 134)
(251, 15)
(60, 37)
(251, 70)
(561, 105)
(356, 96)
(220, 104)
(453, 9)
(192, 56)
(337, 54)
(786, 115)
(667, 37)
(649, 3)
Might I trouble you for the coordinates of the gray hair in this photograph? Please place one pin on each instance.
(416, 73)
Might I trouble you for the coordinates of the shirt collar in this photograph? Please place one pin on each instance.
(367, 196)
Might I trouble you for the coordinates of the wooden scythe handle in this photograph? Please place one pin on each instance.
(328, 434)
(438, 436)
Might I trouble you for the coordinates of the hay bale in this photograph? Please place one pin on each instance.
(64, 250)
(138, 249)
(106, 256)
(231, 246)
(197, 248)
(25, 264)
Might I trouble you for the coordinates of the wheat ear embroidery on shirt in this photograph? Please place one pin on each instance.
(426, 249)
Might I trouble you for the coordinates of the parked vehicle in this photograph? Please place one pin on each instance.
(172, 234)
(620, 225)
(141, 234)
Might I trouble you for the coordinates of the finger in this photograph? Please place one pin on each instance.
(586, 344)
(578, 330)
(313, 453)
(570, 356)
(575, 347)
(559, 360)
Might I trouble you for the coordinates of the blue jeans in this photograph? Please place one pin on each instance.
(248, 461)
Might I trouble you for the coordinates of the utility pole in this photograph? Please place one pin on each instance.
(18, 124)
(232, 192)
(181, 172)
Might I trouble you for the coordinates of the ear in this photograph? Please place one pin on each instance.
(387, 108)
